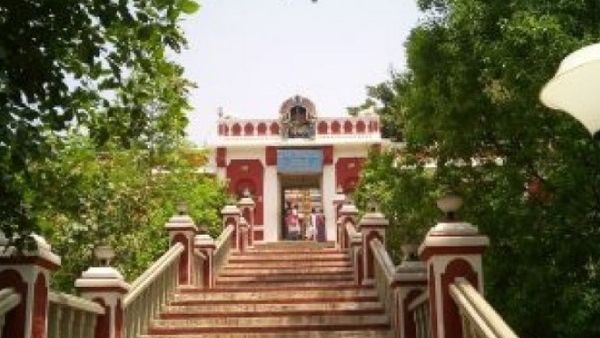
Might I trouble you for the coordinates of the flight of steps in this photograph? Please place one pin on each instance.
(285, 289)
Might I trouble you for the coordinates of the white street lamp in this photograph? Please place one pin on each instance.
(575, 88)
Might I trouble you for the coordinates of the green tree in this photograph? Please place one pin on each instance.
(95, 65)
(530, 176)
(85, 197)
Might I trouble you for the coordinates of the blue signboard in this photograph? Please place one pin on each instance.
(299, 161)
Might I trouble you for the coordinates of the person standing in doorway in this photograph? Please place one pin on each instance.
(294, 227)
(312, 225)
(320, 226)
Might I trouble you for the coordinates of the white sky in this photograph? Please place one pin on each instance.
(248, 56)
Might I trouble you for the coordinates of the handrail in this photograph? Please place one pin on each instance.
(354, 236)
(76, 303)
(150, 291)
(146, 278)
(9, 298)
(222, 248)
(70, 316)
(422, 298)
(383, 259)
(223, 237)
(478, 311)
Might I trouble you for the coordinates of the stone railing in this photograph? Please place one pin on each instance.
(149, 292)
(71, 316)
(108, 307)
(434, 291)
(419, 307)
(479, 319)
(223, 246)
(9, 299)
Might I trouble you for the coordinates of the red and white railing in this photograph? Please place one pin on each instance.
(437, 296)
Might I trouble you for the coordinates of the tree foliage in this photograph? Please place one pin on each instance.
(98, 66)
(86, 197)
(530, 176)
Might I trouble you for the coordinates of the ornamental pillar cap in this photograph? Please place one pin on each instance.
(102, 278)
(42, 249)
(203, 240)
(373, 219)
(349, 209)
(230, 210)
(246, 202)
(181, 223)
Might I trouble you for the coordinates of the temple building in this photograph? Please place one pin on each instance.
(297, 159)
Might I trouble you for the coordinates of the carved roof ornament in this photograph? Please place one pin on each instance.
(298, 116)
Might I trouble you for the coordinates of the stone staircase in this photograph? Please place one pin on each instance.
(285, 289)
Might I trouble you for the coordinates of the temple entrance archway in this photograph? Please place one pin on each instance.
(302, 191)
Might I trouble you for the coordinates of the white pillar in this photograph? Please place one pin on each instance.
(328, 190)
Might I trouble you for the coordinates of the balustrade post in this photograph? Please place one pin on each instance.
(231, 216)
(409, 282)
(206, 246)
(106, 286)
(182, 230)
(247, 207)
(338, 201)
(243, 234)
(451, 249)
(28, 273)
(348, 213)
(372, 225)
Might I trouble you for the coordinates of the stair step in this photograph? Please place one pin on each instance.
(287, 265)
(272, 309)
(322, 252)
(297, 334)
(269, 323)
(285, 271)
(289, 258)
(306, 294)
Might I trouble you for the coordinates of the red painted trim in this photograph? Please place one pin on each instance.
(14, 319)
(398, 283)
(274, 128)
(348, 127)
(225, 130)
(430, 251)
(29, 260)
(221, 157)
(410, 329)
(111, 289)
(335, 127)
(248, 174)
(322, 128)
(236, 130)
(184, 259)
(40, 307)
(262, 129)
(258, 235)
(327, 155)
(271, 155)
(119, 320)
(432, 305)
(361, 127)
(249, 129)
(456, 268)
(347, 172)
(102, 321)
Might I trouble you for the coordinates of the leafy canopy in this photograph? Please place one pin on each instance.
(530, 176)
(97, 66)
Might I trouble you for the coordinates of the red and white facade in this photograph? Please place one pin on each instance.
(247, 151)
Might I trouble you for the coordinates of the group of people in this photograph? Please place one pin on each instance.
(299, 227)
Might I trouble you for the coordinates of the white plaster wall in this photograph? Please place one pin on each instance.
(271, 204)
(328, 190)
